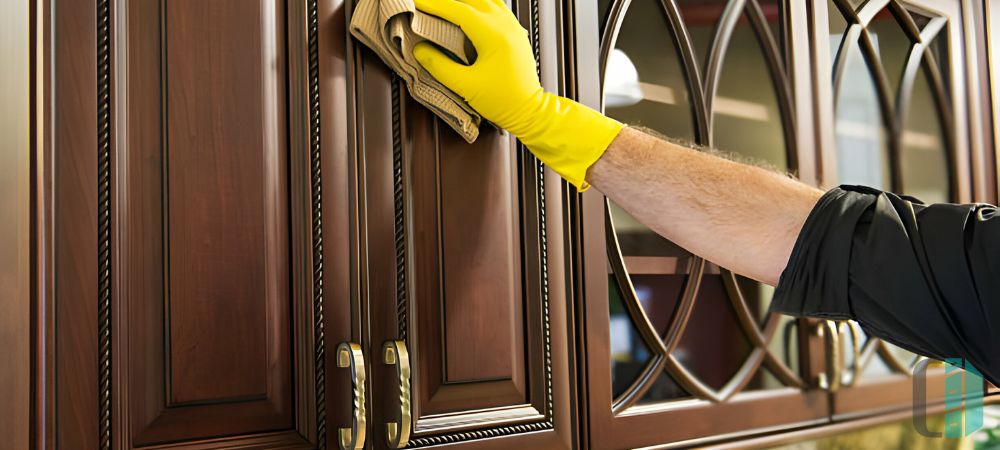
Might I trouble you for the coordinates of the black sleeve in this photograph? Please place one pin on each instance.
(925, 278)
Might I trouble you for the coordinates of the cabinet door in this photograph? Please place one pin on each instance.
(679, 350)
(190, 252)
(458, 266)
(893, 77)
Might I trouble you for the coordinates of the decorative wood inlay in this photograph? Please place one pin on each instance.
(104, 219)
(316, 181)
(399, 206)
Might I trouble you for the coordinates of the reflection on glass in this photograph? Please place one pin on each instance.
(713, 347)
(658, 294)
(700, 17)
(746, 117)
(646, 42)
(629, 353)
(892, 46)
(862, 144)
(924, 154)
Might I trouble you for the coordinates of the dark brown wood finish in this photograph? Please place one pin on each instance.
(456, 262)
(75, 236)
(205, 118)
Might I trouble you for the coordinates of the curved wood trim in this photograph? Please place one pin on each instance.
(717, 55)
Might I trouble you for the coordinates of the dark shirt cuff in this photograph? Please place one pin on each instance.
(816, 280)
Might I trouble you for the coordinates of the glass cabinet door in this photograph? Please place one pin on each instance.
(691, 351)
(895, 81)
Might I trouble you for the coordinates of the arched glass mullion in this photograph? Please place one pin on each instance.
(870, 9)
(851, 36)
(887, 104)
(921, 58)
(616, 16)
(627, 289)
(691, 70)
(779, 79)
(758, 339)
(716, 55)
(847, 11)
(640, 385)
(905, 21)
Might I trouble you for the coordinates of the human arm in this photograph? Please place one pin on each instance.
(742, 217)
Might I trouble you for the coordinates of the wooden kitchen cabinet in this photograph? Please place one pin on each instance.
(461, 245)
(250, 207)
(236, 229)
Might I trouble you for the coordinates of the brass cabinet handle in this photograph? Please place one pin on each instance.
(394, 353)
(830, 380)
(349, 355)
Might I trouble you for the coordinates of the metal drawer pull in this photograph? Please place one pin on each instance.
(398, 433)
(349, 355)
(830, 379)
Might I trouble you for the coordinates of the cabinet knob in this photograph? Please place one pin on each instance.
(394, 353)
(349, 355)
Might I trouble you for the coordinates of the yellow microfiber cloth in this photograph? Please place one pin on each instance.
(391, 28)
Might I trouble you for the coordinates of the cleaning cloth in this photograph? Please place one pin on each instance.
(391, 28)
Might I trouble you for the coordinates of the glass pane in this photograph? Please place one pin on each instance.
(629, 354)
(664, 388)
(924, 153)
(713, 346)
(862, 144)
(746, 117)
(837, 25)
(658, 295)
(700, 18)
(644, 83)
(892, 46)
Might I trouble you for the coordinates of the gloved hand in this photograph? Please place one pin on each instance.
(503, 86)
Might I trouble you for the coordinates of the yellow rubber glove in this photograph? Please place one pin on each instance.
(503, 86)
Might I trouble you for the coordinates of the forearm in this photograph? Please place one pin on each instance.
(742, 217)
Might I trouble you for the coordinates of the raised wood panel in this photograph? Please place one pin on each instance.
(454, 262)
(226, 230)
(214, 257)
(468, 305)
